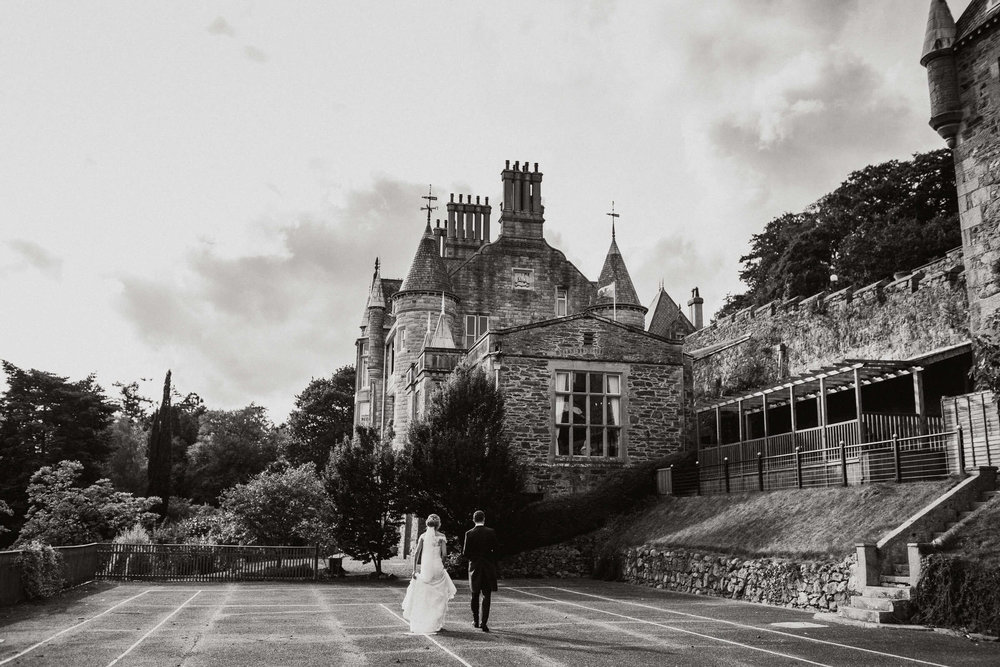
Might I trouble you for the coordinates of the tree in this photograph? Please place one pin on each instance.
(126, 465)
(458, 458)
(322, 418)
(282, 505)
(45, 418)
(61, 512)
(884, 218)
(363, 480)
(187, 412)
(160, 450)
(232, 447)
(133, 404)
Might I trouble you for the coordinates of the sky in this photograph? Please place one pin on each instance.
(205, 186)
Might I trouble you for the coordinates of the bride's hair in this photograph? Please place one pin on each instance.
(433, 521)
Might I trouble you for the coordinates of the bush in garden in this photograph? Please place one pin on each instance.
(41, 569)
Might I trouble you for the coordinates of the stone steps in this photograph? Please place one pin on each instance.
(879, 604)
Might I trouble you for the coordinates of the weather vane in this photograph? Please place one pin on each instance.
(613, 217)
(430, 198)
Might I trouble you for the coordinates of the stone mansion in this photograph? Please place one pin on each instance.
(588, 387)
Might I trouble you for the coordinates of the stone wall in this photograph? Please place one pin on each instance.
(822, 586)
(977, 160)
(914, 314)
(653, 412)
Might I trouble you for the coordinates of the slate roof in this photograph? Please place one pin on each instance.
(973, 16)
(941, 30)
(427, 272)
(667, 316)
(614, 270)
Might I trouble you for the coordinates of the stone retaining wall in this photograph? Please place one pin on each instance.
(821, 586)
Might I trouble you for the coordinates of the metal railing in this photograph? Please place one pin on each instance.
(915, 458)
(197, 562)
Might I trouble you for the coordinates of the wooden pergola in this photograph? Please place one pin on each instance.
(819, 384)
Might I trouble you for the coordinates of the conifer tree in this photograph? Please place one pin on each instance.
(160, 459)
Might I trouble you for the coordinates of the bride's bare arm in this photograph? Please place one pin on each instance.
(416, 555)
(444, 547)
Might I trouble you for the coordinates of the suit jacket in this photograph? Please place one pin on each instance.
(481, 550)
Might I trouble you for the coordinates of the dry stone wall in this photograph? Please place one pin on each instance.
(822, 586)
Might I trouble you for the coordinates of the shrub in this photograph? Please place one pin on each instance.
(134, 535)
(41, 569)
(208, 525)
(958, 593)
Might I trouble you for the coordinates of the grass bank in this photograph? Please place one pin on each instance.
(808, 523)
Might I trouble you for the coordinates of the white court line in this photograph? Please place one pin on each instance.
(152, 630)
(751, 627)
(434, 641)
(676, 629)
(45, 641)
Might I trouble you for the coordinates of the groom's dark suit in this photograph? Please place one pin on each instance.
(480, 548)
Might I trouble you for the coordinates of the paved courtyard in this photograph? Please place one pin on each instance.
(357, 622)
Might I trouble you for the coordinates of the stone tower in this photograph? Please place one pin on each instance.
(376, 344)
(423, 300)
(964, 80)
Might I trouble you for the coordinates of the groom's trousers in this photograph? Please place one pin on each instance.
(486, 605)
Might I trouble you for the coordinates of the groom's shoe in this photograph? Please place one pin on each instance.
(475, 623)
(484, 628)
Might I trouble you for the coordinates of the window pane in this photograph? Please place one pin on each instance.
(562, 382)
(614, 384)
(579, 409)
(484, 325)
(562, 409)
(562, 441)
(596, 383)
(580, 382)
(613, 434)
(596, 409)
(579, 440)
(614, 411)
(596, 441)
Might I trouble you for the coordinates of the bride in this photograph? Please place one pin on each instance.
(430, 588)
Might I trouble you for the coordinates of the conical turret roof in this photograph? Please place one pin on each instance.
(614, 271)
(375, 297)
(941, 30)
(427, 272)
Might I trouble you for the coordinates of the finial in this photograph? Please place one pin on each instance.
(430, 198)
(613, 216)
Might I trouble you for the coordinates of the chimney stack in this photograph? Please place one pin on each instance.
(522, 213)
(695, 309)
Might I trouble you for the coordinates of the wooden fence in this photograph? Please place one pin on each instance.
(976, 414)
(206, 562)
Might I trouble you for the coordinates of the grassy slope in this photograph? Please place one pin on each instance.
(808, 523)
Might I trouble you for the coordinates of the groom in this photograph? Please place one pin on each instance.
(480, 548)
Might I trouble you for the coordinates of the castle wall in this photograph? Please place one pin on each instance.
(912, 315)
(653, 389)
(977, 168)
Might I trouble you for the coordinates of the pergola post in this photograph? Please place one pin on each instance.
(718, 425)
(697, 430)
(919, 404)
(821, 412)
(739, 408)
(764, 403)
(791, 406)
(858, 407)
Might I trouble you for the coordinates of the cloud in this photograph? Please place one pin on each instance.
(255, 54)
(677, 260)
(37, 257)
(263, 324)
(221, 27)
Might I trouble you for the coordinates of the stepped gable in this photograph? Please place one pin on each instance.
(427, 272)
(614, 271)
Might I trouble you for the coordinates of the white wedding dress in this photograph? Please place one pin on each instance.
(427, 596)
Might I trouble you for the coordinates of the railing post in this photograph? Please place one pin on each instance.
(725, 471)
(316, 563)
(961, 452)
(697, 479)
(895, 458)
(798, 466)
(843, 463)
(760, 471)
